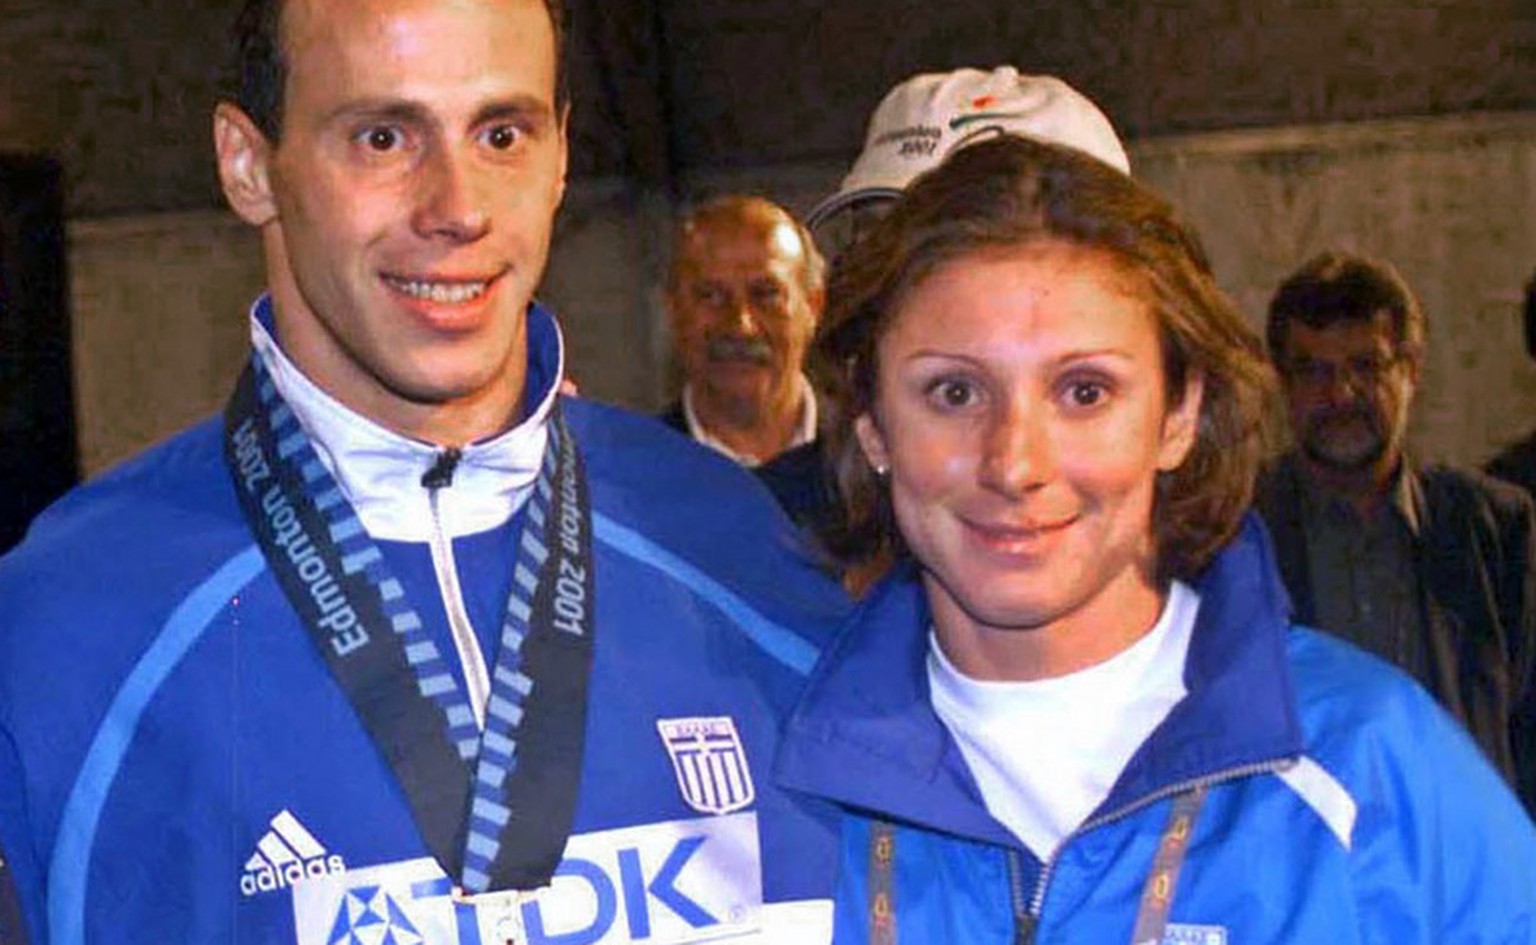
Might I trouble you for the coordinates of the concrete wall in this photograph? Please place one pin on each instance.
(159, 331)
(159, 301)
(120, 90)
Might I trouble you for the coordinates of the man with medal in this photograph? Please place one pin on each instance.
(405, 647)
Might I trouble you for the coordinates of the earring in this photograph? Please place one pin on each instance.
(881, 470)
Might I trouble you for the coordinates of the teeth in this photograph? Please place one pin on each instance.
(447, 293)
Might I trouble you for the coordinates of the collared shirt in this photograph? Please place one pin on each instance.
(805, 431)
(1364, 570)
(380, 471)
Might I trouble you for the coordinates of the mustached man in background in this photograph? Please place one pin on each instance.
(743, 297)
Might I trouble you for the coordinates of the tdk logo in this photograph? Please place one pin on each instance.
(630, 883)
(286, 854)
(661, 884)
(653, 907)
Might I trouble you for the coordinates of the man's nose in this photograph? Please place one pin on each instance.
(742, 319)
(451, 198)
(1343, 383)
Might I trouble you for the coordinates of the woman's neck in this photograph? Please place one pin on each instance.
(1108, 623)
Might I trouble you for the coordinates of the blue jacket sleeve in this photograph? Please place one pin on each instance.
(1444, 852)
(21, 873)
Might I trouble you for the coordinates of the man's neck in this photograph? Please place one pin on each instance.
(451, 422)
(379, 467)
(757, 432)
(1364, 489)
(456, 424)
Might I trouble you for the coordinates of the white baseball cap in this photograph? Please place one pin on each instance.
(922, 120)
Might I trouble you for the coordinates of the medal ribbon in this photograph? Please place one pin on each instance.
(882, 883)
(1163, 881)
(507, 828)
(1152, 910)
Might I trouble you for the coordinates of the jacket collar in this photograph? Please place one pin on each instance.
(805, 428)
(380, 471)
(1405, 495)
(865, 734)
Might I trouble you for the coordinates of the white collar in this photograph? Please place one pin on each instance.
(380, 471)
(805, 432)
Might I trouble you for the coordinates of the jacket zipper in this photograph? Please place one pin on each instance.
(1024, 922)
(1027, 919)
(476, 678)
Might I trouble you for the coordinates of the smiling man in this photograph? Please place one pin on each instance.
(743, 297)
(1430, 567)
(405, 646)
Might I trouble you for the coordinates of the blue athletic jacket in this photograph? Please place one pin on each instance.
(177, 764)
(1341, 804)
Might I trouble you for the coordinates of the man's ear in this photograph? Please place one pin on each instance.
(1415, 366)
(565, 148)
(244, 156)
(673, 289)
(817, 299)
(671, 308)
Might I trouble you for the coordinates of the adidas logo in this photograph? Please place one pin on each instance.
(285, 855)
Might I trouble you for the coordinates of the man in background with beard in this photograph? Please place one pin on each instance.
(743, 297)
(1429, 567)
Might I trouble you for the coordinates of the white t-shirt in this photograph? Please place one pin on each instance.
(1046, 752)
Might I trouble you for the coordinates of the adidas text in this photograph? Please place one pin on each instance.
(267, 878)
(286, 855)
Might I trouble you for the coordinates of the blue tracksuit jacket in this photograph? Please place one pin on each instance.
(177, 765)
(1343, 806)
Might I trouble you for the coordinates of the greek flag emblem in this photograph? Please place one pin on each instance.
(710, 763)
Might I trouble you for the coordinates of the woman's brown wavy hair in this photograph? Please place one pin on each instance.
(1008, 192)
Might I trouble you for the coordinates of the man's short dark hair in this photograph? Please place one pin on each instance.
(263, 71)
(1336, 287)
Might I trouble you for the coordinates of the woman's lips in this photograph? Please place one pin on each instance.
(1019, 538)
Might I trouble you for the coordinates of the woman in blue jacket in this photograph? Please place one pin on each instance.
(1075, 709)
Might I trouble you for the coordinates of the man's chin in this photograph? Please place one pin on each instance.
(742, 384)
(742, 404)
(1341, 459)
(738, 368)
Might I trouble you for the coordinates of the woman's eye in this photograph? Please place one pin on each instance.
(953, 394)
(1085, 393)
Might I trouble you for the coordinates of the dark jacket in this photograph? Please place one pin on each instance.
(1517, 464)
(799, 477)
(674, 417)
(1476, 550)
